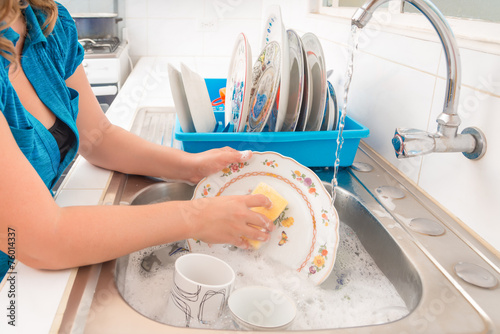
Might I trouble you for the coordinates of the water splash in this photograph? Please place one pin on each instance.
(353, 47)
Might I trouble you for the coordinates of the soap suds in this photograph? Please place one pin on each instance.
(356, 294)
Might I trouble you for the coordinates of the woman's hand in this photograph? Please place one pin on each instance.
(226, 219)
(209, 162)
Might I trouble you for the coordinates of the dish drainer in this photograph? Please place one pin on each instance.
(309, 148)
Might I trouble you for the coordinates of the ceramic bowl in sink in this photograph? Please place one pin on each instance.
(262, 308)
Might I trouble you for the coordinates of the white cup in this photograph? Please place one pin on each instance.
(202, 284)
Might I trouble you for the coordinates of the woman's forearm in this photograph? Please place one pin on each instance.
(76, 236)
(79, 236)
(125, 152)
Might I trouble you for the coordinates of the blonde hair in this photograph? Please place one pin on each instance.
(10, 10)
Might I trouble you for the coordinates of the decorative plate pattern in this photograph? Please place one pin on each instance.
(306, 234)
(239, 84)
(266, 78)
(274, 31)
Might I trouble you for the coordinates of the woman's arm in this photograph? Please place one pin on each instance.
(114, 148)
(51, 237)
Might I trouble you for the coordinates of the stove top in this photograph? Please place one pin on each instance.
(100, 45)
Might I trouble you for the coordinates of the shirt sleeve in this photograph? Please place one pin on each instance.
(74, 55)
(4, 264)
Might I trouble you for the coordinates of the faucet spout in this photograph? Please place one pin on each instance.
(448, 121)
(364, 13)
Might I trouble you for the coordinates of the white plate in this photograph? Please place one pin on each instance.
(309, 242)
(306, 96)
(274, 30)
(239, 81)
(180, 99)
(296, 81)
(316, 63)
(198, 100)
(265, 83)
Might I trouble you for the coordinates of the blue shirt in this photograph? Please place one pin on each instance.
(47, 63)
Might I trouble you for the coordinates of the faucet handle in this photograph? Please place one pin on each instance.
(412, 142)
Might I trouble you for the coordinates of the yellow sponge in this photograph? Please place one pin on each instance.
(278, 205)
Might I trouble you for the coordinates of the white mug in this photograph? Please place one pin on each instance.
(202, 284)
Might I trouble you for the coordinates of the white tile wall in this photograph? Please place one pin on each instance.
(176, 37)
(398, 82)
(191, 28)
(234, 9)
(468, 188)
(89, 6)
(187, 9)
(137, 30)
(380, 99)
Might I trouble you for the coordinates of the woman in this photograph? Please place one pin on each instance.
(48, 110)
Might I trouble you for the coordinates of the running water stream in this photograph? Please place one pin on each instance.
(353, 46)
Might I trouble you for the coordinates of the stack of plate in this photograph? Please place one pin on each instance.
(285, 90)
(191, 99)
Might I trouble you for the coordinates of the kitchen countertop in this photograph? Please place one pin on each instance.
(41, 296)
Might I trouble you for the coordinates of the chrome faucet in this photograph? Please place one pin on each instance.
(411, 142)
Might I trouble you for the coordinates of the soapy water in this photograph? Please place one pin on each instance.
(355, 294)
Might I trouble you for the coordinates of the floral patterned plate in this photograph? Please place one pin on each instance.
(238, 85)
(274, 30)
(266, 74)
(306, 234)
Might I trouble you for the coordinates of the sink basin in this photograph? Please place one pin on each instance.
(147, 290)
(163, 192)
(377, 206)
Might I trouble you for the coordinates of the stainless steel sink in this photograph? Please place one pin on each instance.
(131, 277)
(380, 206)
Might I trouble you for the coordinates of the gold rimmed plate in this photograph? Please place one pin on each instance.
(306, 235)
